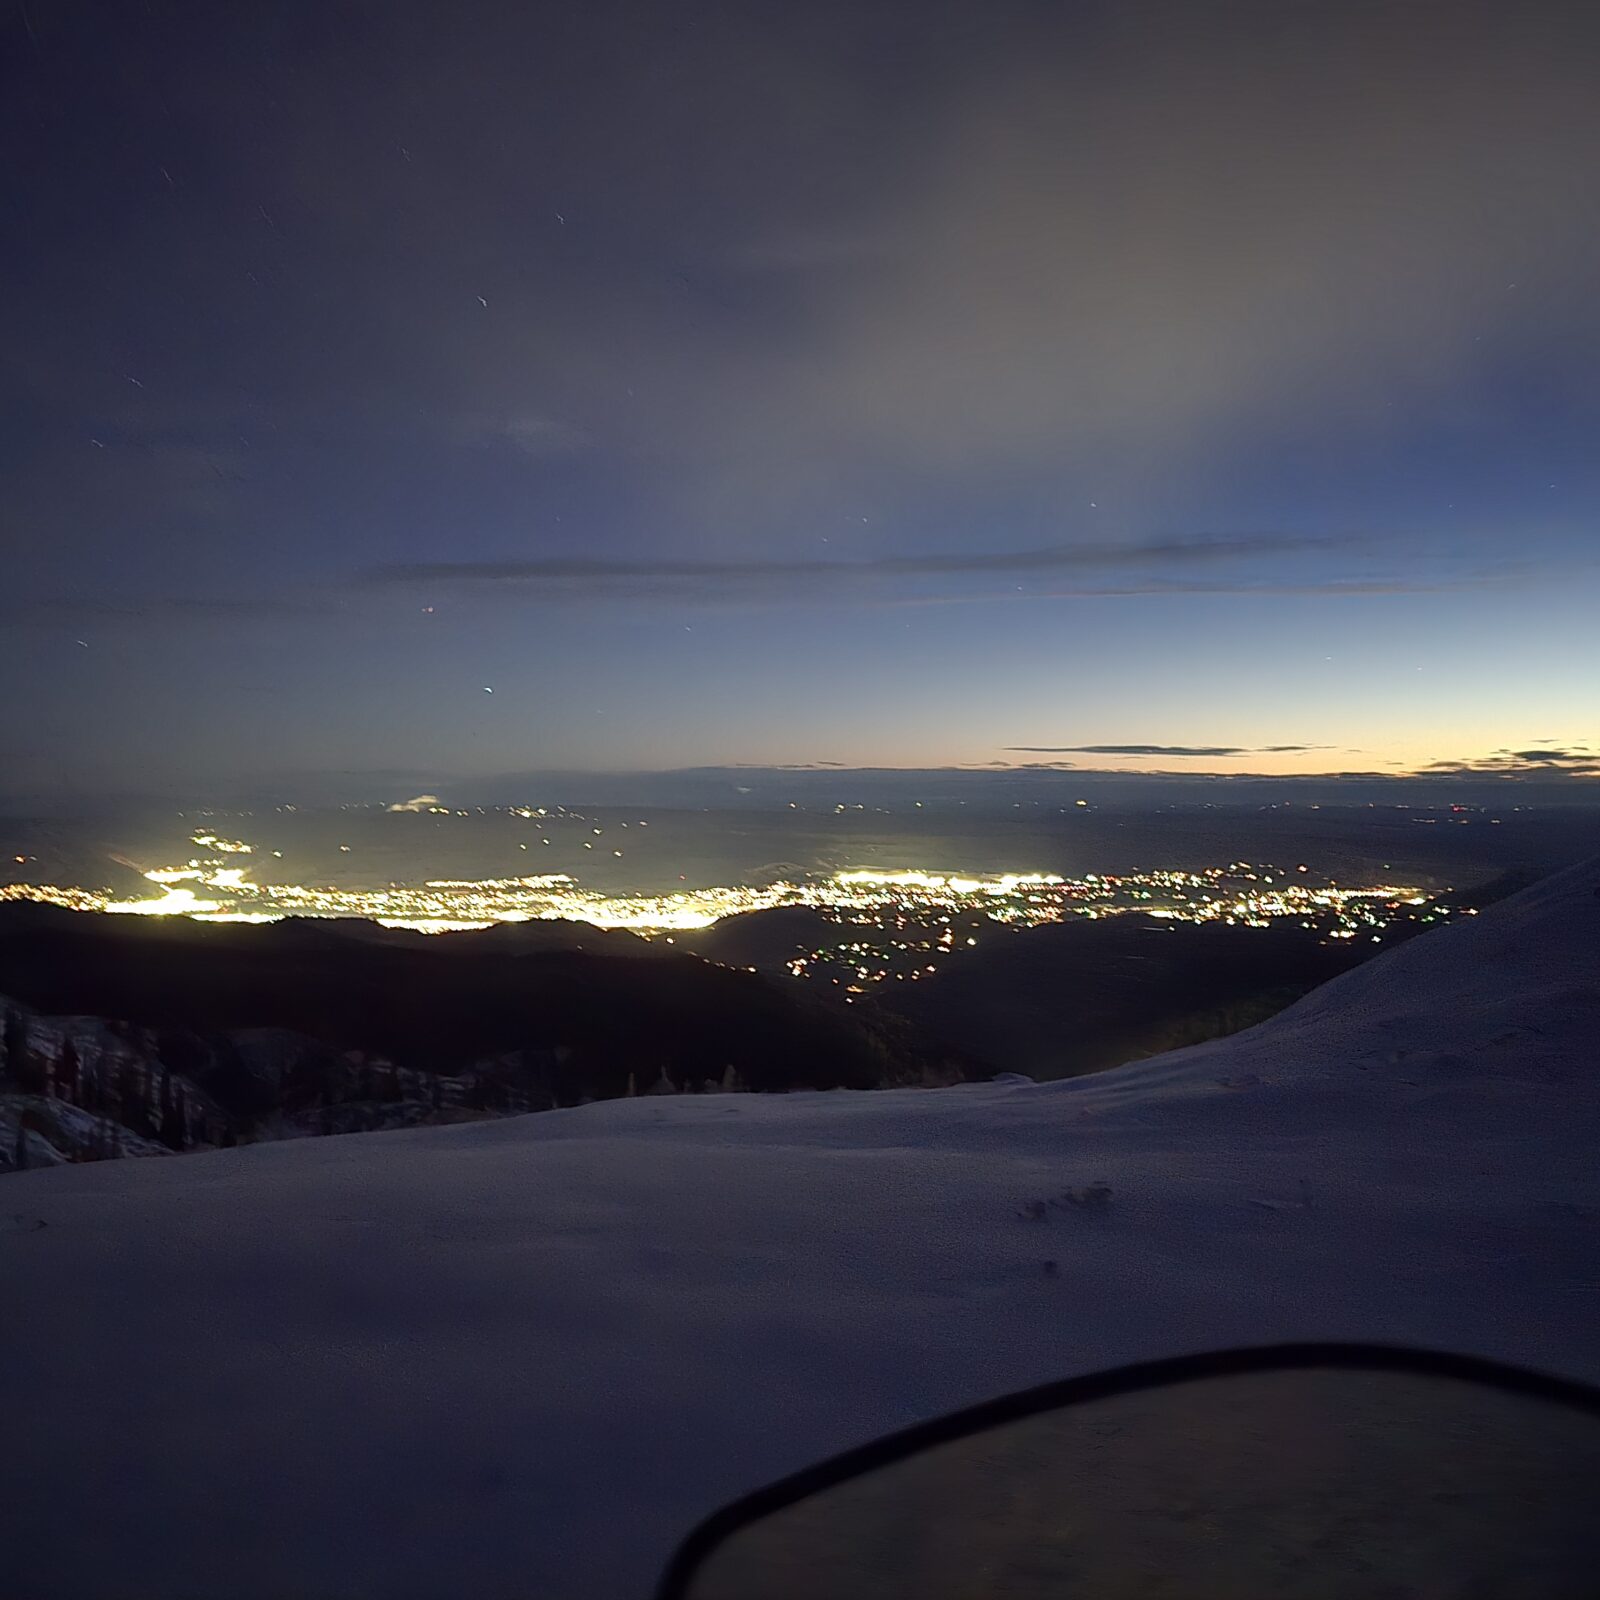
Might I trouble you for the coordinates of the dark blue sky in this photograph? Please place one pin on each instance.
(908, 384)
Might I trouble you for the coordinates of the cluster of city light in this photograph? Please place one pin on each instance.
(901, 926)
(227, 847)
(436, 906)
(1352, 908)
(952, 883)
(897, 924)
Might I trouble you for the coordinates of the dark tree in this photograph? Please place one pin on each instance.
(174, 1128)
(20, 1060)
(134, 1100)
(69, 1074)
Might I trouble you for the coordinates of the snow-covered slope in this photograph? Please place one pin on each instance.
(521, 1358)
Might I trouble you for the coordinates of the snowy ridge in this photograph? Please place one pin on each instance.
(521, 1358)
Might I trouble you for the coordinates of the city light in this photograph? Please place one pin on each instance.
(897, 923)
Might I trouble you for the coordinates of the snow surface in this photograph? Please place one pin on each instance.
(522, 1358)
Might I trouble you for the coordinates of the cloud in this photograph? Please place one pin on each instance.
(890, 582)
(1578, 761)
(1152, 248)
(166, 611)
(1161, 749)
(1131, 568)
(1050, 558)
(1046, 250)
(422, 802)
(1577, 753)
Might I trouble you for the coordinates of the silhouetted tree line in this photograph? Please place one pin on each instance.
(178, 1089)
(119, 1089)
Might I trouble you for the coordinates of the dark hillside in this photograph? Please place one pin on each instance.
(410, 1000)
(763, 938)
(1073, 997)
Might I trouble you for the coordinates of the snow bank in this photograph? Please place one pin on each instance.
(522, 1358)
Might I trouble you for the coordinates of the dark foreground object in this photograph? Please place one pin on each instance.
(1314, 1472)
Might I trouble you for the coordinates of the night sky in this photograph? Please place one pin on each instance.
(1195, 387)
